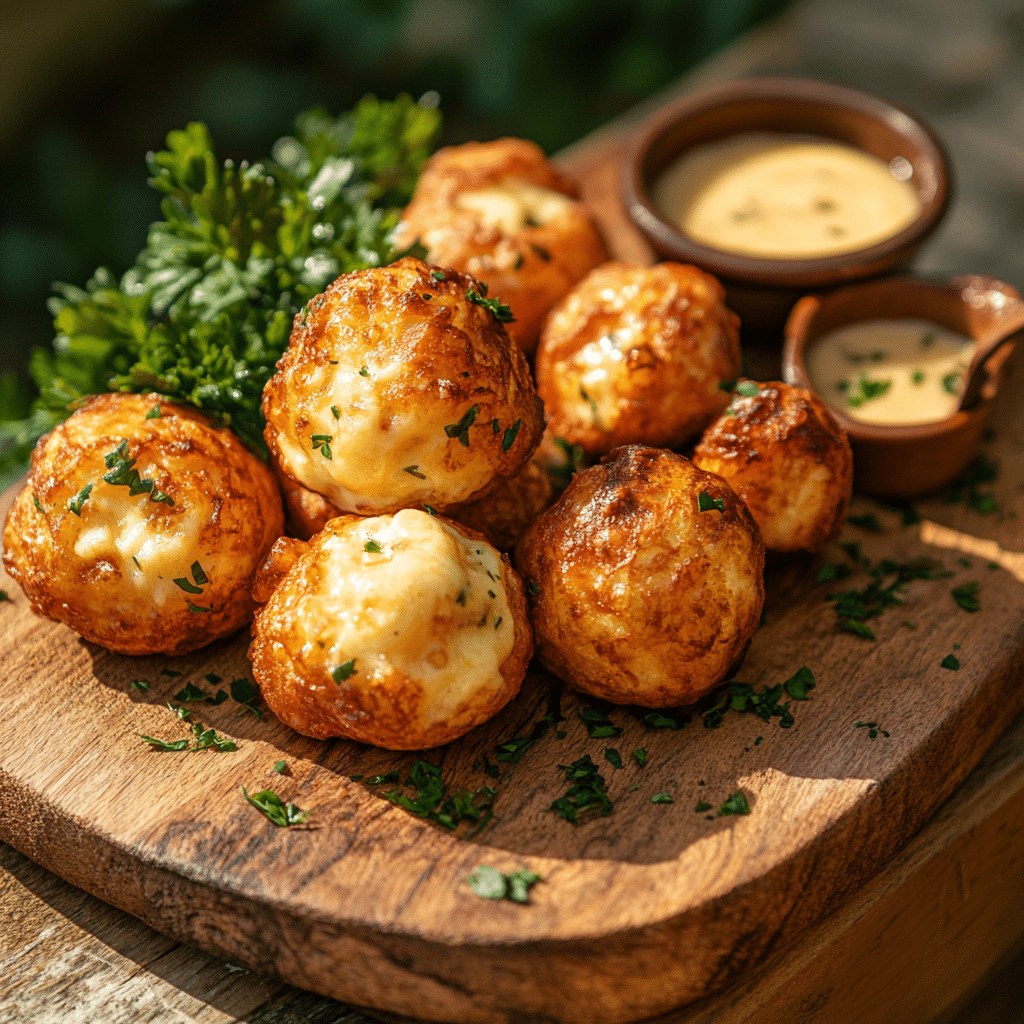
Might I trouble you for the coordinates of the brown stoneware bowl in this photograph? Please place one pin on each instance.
(907, 461)
(762, 291)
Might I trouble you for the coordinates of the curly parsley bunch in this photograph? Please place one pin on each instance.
(206, 311)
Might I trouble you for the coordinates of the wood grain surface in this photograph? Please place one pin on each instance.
(640, 912)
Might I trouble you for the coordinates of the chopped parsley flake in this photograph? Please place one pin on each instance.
(612, 756)
(76, 503)
(432, 801)
(490, 884)
(37, 503)
(586, 793)
(430, 510)
(322, 443)
(872, 728)
(274, 809)
(196, 607)
(142, 685)
(154, 413)
(159, 744)
(189, 693)
(533, 587)
(966, 487)
(829, 572)
(426, 295)
(966, 595)
(640, 756)
(599, 725)
(437, 275)
(662, 798)
(748, 388)
(917, 377)
(495, 427)
(246, 693)
(735, 803)
(854, 607)
(727, 385)
(950, 661)
(372, 547)
(867, 390)
(705, 503)
(343, 671)
(415, 471)
(501, 312)
(867, 522)
(702, 807)
(510, 434)
(951, 382)
(363, 371)
(122, 473)
(335, 412)
(460, 431)
(280, 767)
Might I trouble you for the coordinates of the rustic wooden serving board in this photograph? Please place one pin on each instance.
(639, 912)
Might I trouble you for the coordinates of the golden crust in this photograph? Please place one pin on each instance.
(509, 508)
(637, 596)
(531, 267)
(382, 363)
(388, 706)
(635, 355)
(108, 573)
(788, 459)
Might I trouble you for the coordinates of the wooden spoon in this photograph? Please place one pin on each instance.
(1003, 307)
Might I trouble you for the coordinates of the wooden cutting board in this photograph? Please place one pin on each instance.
(639, 912)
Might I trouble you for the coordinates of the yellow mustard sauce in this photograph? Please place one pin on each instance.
(891, 371)
(786, 196)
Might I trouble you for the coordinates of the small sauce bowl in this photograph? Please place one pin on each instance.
(763, 290)
(903, 461)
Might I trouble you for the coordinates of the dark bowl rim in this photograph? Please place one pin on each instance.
(794, 365)
(788, 273)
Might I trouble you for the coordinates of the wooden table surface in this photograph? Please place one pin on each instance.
(938, 933)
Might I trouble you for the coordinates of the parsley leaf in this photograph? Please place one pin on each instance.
(951, 662)
(705, 503)
(612, 756)
(460, 430)
(433, 802)
(662, 798)
(490, 884)
(599, 725)
(343, 671)
(966, 487)
(159, 744)
(587, 793)
(190, 693)
(372, 547)
(640, 754)
(76, 503)
(509, 437)
(501, 312)
(735, 803)
(748, 388)
(800, 684)
(872, 728)
(322, 443)
(415, 471)
(966, 595)
(274, 809)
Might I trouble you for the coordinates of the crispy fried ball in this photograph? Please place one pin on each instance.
(398, 391)
(636, 595)
(403, 631)
(509, 508)
(635, 355)
(141, 526)
(501, 212)
(784, 454)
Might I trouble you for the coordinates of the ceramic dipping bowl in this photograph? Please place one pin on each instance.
(906, 461)
(762, 290)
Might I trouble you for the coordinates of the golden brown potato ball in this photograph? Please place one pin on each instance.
(784, 454)
(509, 508)
(499, 211)
(636, 355)
(403, 631)
(141, 526)
(397, 391)
(645, 579)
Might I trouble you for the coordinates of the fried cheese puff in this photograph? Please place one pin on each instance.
(645, 579)
(501, 212)
(783, 453)
(635, 355)
(141, 526)
(403, 631)
(398, 390)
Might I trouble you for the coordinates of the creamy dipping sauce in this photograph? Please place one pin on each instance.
(786, 196)
(891, 371)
